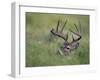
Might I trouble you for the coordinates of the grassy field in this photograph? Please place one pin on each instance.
(41, 46)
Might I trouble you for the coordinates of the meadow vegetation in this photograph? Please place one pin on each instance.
(42, 46)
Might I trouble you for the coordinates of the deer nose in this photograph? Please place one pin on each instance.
(68, 47)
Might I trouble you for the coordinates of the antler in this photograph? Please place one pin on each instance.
(59, 33)
(78, 34)
(65, 37)
(68, 46)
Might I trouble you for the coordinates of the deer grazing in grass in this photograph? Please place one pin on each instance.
(67, 47)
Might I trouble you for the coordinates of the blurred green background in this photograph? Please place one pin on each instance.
(41, 46)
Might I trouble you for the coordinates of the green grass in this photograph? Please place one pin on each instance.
(41, 46)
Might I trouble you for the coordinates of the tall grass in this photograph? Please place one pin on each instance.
(42, 46)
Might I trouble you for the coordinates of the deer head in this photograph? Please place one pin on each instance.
(68, 46)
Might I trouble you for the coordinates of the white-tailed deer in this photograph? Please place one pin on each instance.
(67, 46)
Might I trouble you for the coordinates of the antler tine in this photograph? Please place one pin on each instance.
(63, 25)
(66, 37)
(57, 25)
(75, 33)
(76, 27)
(80, 27)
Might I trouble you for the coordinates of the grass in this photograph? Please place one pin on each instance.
(41, 45)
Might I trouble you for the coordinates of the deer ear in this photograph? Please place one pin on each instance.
(77, 45)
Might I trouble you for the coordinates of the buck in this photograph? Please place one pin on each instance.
(67, 46)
